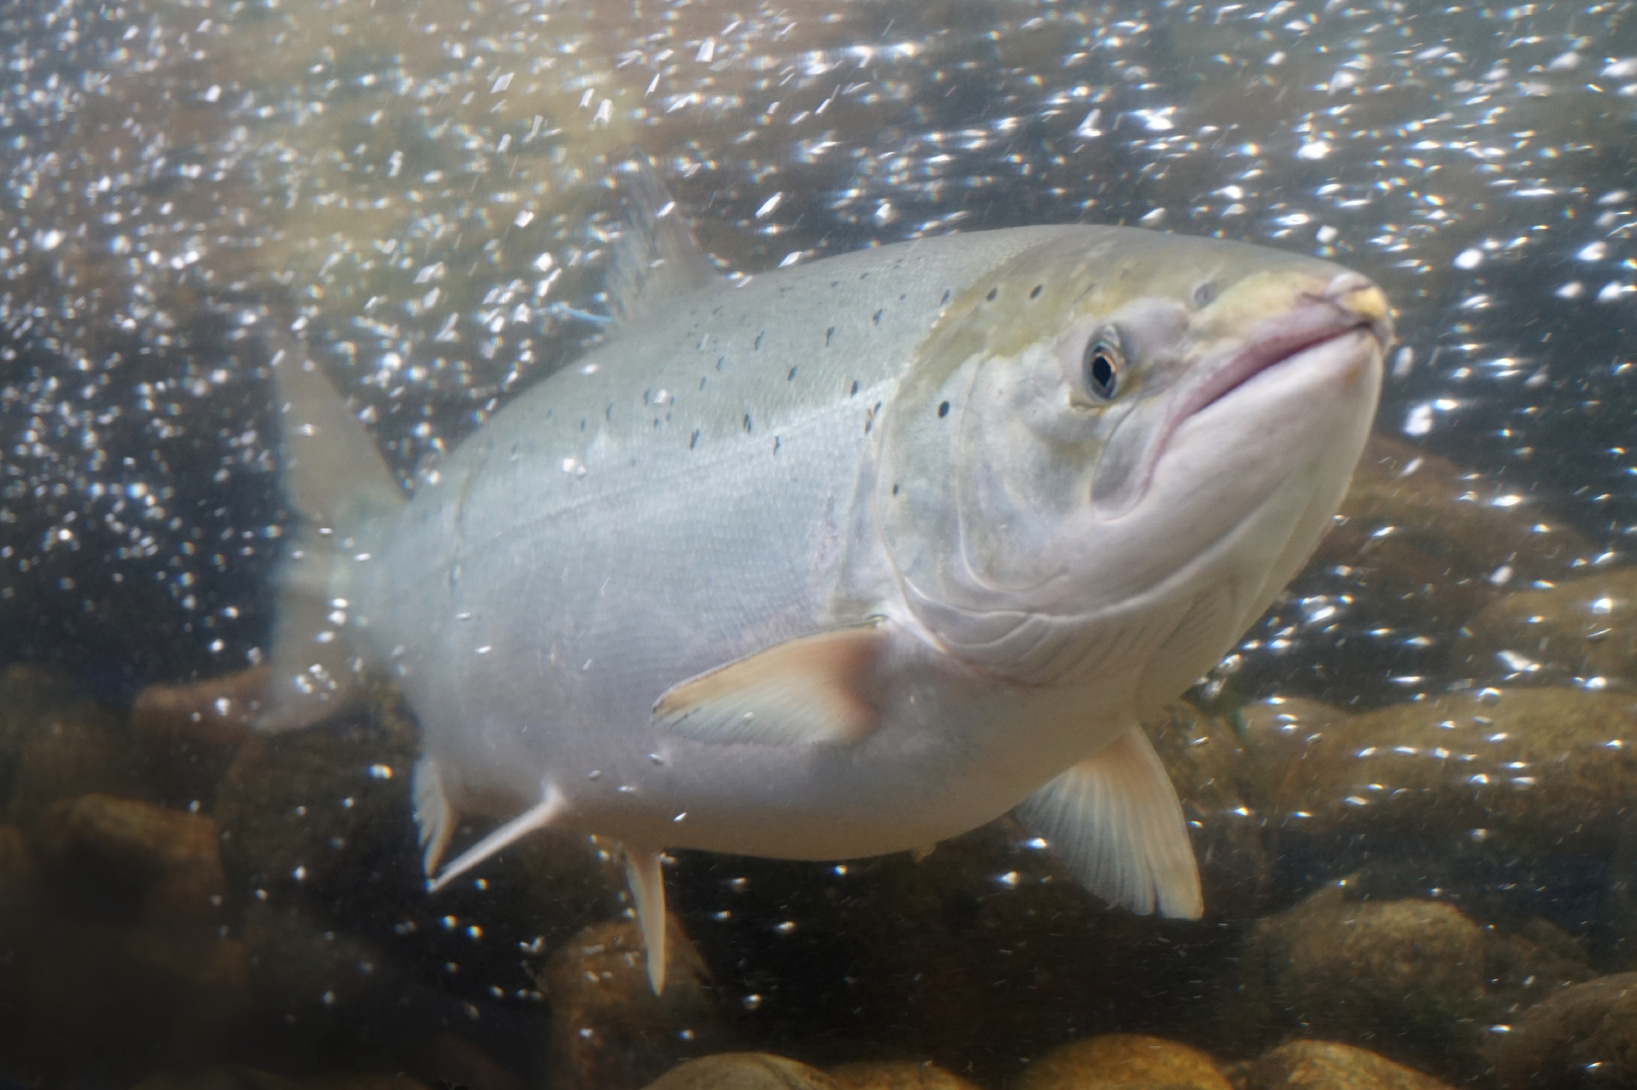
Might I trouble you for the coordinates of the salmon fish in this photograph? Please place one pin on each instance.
(845, 558)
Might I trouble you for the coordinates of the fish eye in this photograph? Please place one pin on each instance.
(1103, 365)
(1204, 294)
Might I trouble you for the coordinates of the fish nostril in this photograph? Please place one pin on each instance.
(1359, 296)
(1344, 284)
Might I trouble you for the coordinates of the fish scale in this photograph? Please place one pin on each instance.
(810, 565)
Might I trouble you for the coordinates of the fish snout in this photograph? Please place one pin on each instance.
(1358, 297)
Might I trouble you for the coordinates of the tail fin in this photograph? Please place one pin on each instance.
(342, 499)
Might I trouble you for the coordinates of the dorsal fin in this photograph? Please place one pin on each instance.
(655, 257)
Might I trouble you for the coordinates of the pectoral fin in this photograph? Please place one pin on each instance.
(1114, 821)
(812, 689)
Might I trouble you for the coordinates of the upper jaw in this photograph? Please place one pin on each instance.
(1349, 303)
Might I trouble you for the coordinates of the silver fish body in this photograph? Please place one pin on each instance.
(858, 555)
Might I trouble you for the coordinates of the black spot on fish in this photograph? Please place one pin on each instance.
(702, 379)
(695, 440)
(863, 276)
(583, 423)
(747, 422)
(876, 317)
(992, 293)
(945, 300)
(757, 347)
(834, 284)
(775, 444)
(721, 361)
(1038, 288)
(895, 490)
(1204, 294)
(828, 333)
(855, 389)
(791, 377)
(943, 410)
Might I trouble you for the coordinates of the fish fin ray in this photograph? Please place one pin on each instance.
(655, 257)
(646, 879)
(811, 689)
(434, 817)
(1115, 822)
(342, 500)
(537, 817)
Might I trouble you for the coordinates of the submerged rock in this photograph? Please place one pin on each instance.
(56, 745)
(609, 1031)
(1534, 770)
(1115, 1060)
(896, 1075)
(743, 1071)
(1584, 1036)
(227, 1077)
(1420, 535)
(1583, 628)
(1405, 976)
(1329, 1065)
(315, 815)
(189, 733)
(167, 862)
(1204, 758)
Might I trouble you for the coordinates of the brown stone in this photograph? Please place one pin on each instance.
(743, 1071)
(364, 1080)
(608, 1028)
(1423, 542)
(1204, 757)
(1329, 1065)
(190, 732)
(1584, 1036)
(225, 1077)
(132, 997)
(104, 847)
(896, 1075)
(1405, 976)
(66, 752)
(1115, 1060)
(19, 887)
(301, 969)
(1580, 628)
(310, 815)
(454, 1061)
(1538, 770)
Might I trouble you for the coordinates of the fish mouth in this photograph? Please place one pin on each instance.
(1350, 304)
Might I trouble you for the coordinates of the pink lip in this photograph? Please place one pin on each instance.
(1317, 319)
(1291, 335)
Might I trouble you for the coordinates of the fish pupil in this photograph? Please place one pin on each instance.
(1102, 374)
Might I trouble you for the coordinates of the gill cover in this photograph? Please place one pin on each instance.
(1042, 382)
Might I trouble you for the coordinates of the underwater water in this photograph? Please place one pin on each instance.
(1411, 788)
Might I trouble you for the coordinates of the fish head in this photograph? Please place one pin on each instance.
(1114, 450)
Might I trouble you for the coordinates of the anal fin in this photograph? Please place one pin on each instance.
(537, 817)
(1114, 821)
(811, 689)
(647, 881)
